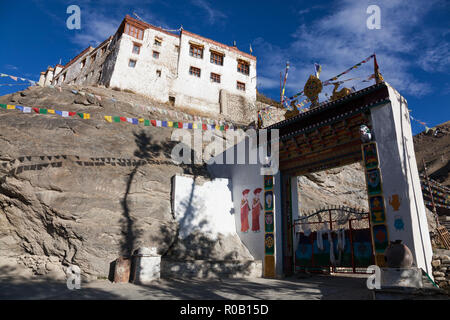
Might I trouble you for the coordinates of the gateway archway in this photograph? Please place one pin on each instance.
(329, 136)
(326, 137)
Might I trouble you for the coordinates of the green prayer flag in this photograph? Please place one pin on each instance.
(3, 106)
(116, 119)
(146, 123)
(175, 124)
(42, 111)
(222, 128)
(80, 114)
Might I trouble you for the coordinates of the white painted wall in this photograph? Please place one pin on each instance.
(143, 77)
(249, 176)
(207, 207)
(392, 131)
(200, 92)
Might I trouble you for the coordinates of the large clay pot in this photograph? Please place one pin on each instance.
(398, 255)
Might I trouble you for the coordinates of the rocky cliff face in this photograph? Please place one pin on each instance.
(433, 146)
(343, 186)
(82, 191)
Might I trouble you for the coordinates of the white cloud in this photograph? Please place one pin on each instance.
(213, 14)
(96, 31)
(341, 39)
(10, 67)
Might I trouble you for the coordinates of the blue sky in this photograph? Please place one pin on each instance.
(412, 46)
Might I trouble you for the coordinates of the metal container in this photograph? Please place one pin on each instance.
(122, 270)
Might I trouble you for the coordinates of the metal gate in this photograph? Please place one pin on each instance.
(334, 239)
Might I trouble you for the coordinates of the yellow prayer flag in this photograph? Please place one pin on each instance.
(86, 115)
(51, 111)
(194, 125)
(217, 127)
(141, 119)
(169, 123)
(108, 118)
(10, 107)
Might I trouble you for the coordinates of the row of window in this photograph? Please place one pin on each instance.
(195, 51)
(93, 57)
(137, 50)
(196, 72)
(217, 58)
(214, 77)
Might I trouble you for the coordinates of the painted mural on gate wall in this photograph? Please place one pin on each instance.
(251, 210)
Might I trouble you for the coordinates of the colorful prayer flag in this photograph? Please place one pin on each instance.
(108, 118)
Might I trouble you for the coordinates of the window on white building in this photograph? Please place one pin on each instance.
(158, 42)
(215, 77)
(156, 54)
(83, 63)
(240, 86)
(196, 51)
(132, 63)
(134, 31)
(243, 67)
(136, 48)
(216, 58)
(158, 73)
(194, 71)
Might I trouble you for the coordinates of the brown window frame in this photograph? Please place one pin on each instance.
(196, 51)
(216, 58)
(215, 77)
(243, 67)
(158, 42)
(134, 31)
(135, 63)
(136, 45)
(193, 71)
(240, 85)
(157, 54)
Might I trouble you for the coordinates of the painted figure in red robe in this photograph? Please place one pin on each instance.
(256, 210)
(245, 208)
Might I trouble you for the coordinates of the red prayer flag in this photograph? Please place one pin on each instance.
(153, 123)
(204, 126)
(123, 119)
(180, 124)
(71, 113)
(36, 110)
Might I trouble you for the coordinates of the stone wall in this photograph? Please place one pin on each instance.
(441, 268)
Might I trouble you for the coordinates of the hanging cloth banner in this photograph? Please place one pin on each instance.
(336, 77)
(285, 78)
(221, 126)
(15, 78)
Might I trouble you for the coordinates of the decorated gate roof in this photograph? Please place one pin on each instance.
(327, 136)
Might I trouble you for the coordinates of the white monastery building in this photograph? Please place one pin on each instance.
(184, 69)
